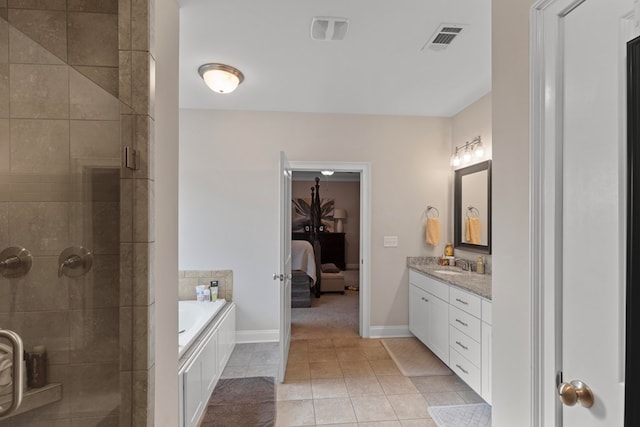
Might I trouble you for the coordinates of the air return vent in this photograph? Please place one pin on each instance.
(329, 28)
(442, 38)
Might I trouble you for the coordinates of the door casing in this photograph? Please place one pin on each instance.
(365, 230)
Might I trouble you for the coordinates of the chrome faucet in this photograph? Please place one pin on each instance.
(463, 264)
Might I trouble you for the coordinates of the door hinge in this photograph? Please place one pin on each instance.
(131, 158)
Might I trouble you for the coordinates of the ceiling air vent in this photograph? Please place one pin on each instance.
(329, 28)
(442, 38)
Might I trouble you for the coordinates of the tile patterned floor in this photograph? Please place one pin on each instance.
(336, 378)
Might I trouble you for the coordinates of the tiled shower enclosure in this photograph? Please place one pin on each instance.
(75, 85)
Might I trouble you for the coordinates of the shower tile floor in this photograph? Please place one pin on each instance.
(337, 378)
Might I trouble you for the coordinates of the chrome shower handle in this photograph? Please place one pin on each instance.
(16, 262)
(74, 262)
(17, 373)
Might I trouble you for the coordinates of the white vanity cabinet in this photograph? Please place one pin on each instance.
(429, 313)
(203, 367)
(456, 326)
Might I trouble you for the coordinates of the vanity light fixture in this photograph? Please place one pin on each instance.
(464, 152)
(221, 78)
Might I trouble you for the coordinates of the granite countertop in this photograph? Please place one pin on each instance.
(479, 284)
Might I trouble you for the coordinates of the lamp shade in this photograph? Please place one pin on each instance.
(221, 78)
(339, 213)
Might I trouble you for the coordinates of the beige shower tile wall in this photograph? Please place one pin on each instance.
(135, 89)
(59, 186)
(189, 279)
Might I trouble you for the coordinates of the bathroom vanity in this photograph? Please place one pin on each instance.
(450, 312)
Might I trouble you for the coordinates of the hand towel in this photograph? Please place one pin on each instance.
(472, 230)
(433, 231)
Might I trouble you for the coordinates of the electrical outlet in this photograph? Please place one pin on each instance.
(390, 241)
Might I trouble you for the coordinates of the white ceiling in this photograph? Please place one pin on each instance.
(379, 68)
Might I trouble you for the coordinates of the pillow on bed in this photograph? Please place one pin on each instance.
(329, 268)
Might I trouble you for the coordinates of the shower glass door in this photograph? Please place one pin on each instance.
(60, 203)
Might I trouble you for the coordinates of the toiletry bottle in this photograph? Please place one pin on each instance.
(448, 250)
(214, 290)
(200, 293)
(206, 294)
(38, 367)
(480, 265)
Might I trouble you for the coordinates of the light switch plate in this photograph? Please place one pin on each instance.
(390, 241)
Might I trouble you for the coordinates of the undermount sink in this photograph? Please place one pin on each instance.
(453, 273)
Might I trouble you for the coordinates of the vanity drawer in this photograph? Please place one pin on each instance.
(464, 345)
(465, 369)
(427, 284)
(465, 301)
(465, 322)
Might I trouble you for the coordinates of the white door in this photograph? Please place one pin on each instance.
(582, 174)
(284, 277)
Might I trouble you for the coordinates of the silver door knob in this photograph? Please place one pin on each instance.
(576, 391)
(277, 276)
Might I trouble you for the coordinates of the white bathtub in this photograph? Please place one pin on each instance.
(193, 317)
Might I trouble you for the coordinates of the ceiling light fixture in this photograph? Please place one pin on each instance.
(221, 78)
(463, 153)
(327, 173)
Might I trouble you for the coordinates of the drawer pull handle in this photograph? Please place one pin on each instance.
(461, 345)
(461, 301)
(424, 299)
(462, 323)
(462, 369)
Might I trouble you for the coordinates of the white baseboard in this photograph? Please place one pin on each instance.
(396, 331)
(268, 335)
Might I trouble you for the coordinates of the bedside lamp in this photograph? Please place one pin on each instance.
(339, 214)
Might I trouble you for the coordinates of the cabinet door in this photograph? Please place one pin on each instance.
(486, 362)
(439, 328)
(210, 365)
(193, 404)
(419, 314)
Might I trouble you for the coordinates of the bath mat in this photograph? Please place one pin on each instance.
(476, 415)
(413, 358)
(242, 402)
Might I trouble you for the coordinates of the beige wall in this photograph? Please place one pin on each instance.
(475, 120)
(346, 196)
(229, 196)
(511, 213)
(166, 215)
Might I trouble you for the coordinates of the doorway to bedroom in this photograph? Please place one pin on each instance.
(325, 300)
(335, 304)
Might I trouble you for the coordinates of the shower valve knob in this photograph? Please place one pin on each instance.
(74, 262)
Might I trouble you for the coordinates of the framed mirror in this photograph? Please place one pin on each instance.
(472, 208)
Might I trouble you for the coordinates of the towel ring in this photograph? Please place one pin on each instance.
(430, 209)
(473, 212)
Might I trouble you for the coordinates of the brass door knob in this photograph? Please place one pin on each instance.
(576, 391)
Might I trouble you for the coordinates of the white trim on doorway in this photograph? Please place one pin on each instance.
(365, 229)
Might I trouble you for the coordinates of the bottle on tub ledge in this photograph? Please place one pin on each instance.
(38, 367)
(214, 290)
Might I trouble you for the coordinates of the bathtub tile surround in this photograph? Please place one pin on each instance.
(189, 279)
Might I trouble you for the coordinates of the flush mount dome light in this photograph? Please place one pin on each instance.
(221, 78)
(327, 172)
